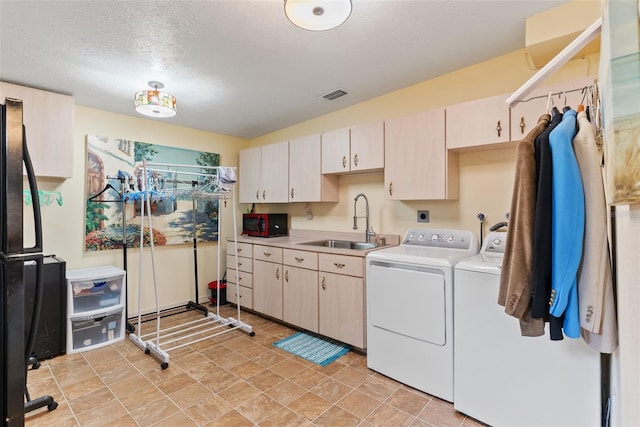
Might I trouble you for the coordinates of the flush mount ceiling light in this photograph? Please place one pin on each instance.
(317, 15)
(154, 103)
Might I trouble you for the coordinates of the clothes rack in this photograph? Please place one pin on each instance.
(558, 61)
(154, 180)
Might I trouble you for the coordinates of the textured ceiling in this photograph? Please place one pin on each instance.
(238, 67)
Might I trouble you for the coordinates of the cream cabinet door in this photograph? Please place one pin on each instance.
(341, 313)
(417, 166)
(267, 288)
(335, 151)
(275, 172)
(480, 123)
(48, 119)
(300, 294)
(306, 182)
(367, 146)
(250, 175)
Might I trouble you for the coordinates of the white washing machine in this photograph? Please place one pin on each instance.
(505, 379)
(410, 308)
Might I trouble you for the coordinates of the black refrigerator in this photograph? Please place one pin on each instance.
(15, 341)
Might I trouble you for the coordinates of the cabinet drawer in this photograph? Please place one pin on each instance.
(243, 249)
(341, 264)
(267, 253)
(88, 332)
(91, 290)
(240, 295)
(244, 264)
(244, 278)
(302, 259)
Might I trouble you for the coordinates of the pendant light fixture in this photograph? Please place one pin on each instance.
(155, 103)
(317, 15)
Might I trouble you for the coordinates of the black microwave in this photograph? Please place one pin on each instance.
(265, 224)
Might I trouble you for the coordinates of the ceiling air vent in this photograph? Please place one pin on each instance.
(335, 94)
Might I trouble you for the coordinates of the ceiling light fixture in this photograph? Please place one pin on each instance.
(317, 15)
(154, 103)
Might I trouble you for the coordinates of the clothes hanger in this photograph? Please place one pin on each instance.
(106, 188)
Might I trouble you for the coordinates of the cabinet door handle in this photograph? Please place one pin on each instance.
(278, 273)
(499, 128)
(522, 125)
(391, 188)
(239, 264)
(344, 161)
(267, 254)
(286, 275)
(292, 192)
(263, 195)
(355, 160)
(339, 265)
(324, 283)
(257, 194)
(299, 259)
(239, 249)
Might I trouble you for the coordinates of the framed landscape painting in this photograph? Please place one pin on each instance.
(113, 196)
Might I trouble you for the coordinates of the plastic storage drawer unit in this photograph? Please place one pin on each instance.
(95, 303)
(96, 330)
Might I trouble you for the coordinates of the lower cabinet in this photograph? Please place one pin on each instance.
(267, 287)
(300, 289)
(341, 298)
(240, 280)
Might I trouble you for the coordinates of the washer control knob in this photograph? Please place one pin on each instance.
(497, 242)
(435, 238)
(421, 237)
(412, 236)
(451, 239)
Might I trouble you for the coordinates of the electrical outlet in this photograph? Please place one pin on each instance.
(423, 216)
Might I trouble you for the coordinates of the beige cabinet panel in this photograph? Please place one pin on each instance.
(240, 295)
(244, 264)
(243, 249)
(417, 166)
(267, 288)
(48, 119)
(336, 151)
(250, 175)
(275, 172)
(302, 259)
(240, 277)
(300, 294)
(267, 253)
(306, 182)
(481, 122)
(341, 308)
(356, 149)
(264, 174)
(341, 264)
(367, 147)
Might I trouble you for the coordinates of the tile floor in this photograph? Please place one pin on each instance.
(228, 380)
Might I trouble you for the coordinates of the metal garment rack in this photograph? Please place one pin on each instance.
(158, 344)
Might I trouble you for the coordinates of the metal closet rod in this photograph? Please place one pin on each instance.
(582, 89)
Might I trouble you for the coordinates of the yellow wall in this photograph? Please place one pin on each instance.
(486, 178)
(63, 228)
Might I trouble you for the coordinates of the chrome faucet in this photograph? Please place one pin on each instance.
(369, 232)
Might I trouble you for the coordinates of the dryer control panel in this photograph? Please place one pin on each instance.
(440, 238)
(494, 243)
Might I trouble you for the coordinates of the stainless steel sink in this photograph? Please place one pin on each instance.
(343, 244)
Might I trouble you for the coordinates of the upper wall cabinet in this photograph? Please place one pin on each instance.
(306, 182)
(48, 119)
(264, 174)
(417, 165)
(356, 149)
(482, 123)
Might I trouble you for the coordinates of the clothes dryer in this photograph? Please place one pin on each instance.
(505, 379)
(410, 308)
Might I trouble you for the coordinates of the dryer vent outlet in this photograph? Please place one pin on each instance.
(423, 216)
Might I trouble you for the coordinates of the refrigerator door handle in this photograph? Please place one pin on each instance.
(33, 188)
